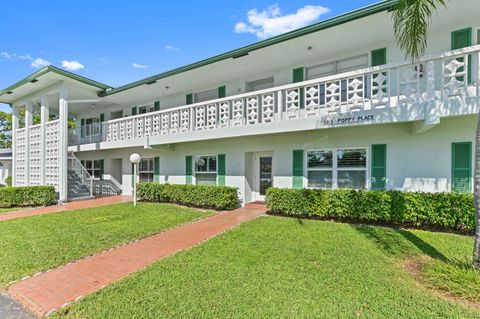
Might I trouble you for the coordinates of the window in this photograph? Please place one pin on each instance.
(92, 126)
(93, 168)
(206, 95)
(145, 109)
(206, 169)
(146, 170)
(338, 168)
(339, 66)
(259, 84)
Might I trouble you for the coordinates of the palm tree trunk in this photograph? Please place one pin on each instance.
(476, 246)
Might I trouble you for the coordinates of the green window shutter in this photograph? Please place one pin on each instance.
(462, 167)
(82, 129)
(297, 173)
(102, 117)
(299, 76)
(189, 98)
(379, 57)
(134, 110)
(379, 167)
(188, 169)
(461, 39)
(102, 168)
(221, 170)
(222, 91)
(156, 106)
(156, 169)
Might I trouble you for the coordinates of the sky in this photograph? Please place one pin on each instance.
(118, 42)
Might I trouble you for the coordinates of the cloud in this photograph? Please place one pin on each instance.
(72, 65)
(171, 48)
(7, 55)
(39, 63)
(139, 66)
(25, 57)
(270, 22)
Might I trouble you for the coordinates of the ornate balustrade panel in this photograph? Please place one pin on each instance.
(52, 154)
(35, 172)
(20, 158)
(395, 85)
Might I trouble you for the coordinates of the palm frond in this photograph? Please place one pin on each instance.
(411, 19)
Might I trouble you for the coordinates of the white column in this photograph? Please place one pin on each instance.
(44, 115)
(28, 123)
(63, 115)
(14, 148)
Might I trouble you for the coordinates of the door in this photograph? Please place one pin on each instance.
(263, 174)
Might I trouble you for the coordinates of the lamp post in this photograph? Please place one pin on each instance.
(135, 159)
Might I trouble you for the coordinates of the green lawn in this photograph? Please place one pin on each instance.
(276, 267)
(10, 209)
(33, 244)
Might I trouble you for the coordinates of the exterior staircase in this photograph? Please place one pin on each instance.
(76, 189)
(80, 183)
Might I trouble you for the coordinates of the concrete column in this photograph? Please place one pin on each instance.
(63, 116)
(14, 150)
(28, 123)
(44, 115)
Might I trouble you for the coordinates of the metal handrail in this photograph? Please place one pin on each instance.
(81, 171)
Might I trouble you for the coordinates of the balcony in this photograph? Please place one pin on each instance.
(434, 86)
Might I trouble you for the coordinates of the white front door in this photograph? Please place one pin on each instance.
(263, 174)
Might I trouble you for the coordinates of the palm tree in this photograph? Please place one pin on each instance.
(411, 19)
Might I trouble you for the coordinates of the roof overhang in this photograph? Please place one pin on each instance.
(243, 51)
(43, 79)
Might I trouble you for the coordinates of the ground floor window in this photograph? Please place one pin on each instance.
(337, 168)
(206, 169)
(146, 170)
(93, 168)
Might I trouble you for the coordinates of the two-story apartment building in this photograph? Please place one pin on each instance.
(331, 105)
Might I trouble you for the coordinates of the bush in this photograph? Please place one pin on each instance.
(8, 181)
(27, 196)
(454, 211)
(205, 196)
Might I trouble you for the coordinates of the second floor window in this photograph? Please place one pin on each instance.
(206, 95)
(145, 109)
(92, 126)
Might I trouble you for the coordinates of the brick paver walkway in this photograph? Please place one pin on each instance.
(66, 207)
(49, 291)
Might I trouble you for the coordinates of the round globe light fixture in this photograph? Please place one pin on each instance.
(135, 160)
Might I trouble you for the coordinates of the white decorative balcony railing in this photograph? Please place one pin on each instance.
(391, 86)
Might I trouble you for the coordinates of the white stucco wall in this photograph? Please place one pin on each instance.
(414, 161)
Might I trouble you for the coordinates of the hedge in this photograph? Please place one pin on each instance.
(27, 196)
(204, 196)
(452, 211)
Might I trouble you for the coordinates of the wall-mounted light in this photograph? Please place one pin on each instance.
(309, 50)
(166, 87)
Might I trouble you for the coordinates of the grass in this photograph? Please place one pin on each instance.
(276, 267)
(10, 209)
(34, 244)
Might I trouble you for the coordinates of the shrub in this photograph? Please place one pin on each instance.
(205, 196)
(27, 196)
(454, 211)
(8, 181)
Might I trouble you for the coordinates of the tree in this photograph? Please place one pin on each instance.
(411, 19)
(5, 128)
